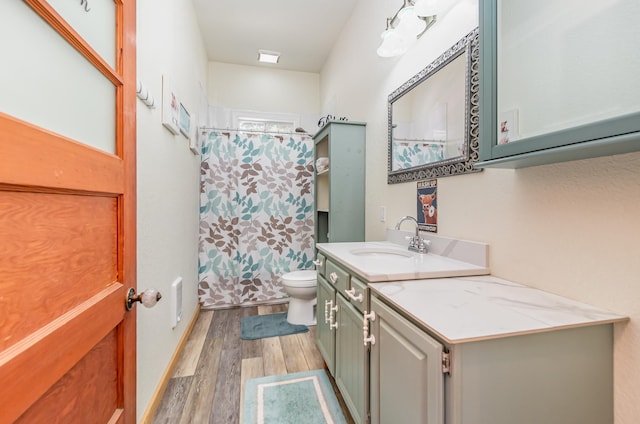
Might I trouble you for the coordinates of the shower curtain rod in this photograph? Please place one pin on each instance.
(253, 131)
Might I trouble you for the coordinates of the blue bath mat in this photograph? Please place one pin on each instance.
(272, 325)
(303, 397)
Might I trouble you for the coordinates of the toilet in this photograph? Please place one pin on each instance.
(301, 288)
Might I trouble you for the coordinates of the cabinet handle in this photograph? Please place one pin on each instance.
(351, 293)
(368, 338)
(332, 323)
(317, 262)
(333, 277)
(327, 307)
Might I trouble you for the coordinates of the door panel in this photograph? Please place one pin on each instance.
(96, 374)
(407, 382)
(352, 360)
(61, 249)
(325, 335)
(67, 251)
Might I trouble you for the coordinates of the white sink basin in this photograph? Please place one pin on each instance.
(389, 261)
(378, 252)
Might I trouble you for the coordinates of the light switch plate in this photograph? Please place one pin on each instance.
(176, 302)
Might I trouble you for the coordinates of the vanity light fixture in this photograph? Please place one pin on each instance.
(408, 24)
(266, 56)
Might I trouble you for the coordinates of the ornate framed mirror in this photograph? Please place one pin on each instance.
(433, 118)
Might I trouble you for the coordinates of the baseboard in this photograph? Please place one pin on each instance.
(150, 412)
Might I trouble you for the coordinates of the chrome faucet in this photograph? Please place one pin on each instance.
(416, 243)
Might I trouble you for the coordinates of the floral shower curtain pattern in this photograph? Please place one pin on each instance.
(409, 155)
(256, 214)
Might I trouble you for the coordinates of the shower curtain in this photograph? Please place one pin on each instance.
(256, 214)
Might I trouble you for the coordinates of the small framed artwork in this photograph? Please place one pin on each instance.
(427, 202)
(170, 107)
(508, 130)
(185, 121)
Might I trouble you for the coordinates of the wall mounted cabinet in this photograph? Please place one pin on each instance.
(340, 188)
(557, 82)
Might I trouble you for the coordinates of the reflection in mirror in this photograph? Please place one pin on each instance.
(433, 117)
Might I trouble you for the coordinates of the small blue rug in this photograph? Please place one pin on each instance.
(304, 397)
(271, 325)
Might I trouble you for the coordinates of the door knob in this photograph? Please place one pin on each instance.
(148, 298)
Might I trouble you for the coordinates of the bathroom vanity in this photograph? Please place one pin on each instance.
(344, 272)
(466, 349)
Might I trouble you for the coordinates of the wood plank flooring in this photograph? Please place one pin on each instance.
(208, 383)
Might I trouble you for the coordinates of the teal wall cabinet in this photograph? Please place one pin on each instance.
(564, 80)
(340, 189)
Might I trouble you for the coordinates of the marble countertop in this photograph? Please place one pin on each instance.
(374, 268)
(467, 309)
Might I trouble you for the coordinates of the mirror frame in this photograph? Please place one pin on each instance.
(460, 164)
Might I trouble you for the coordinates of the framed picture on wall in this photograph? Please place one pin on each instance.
(428, 205)
(170, 107)
(185, 121)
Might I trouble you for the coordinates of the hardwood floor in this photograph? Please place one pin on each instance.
(208, 384)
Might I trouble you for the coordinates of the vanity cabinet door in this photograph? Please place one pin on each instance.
(325, 335)
(351, 360)
(406, 372)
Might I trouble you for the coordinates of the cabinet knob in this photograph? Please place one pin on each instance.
(333, 277)
(351, 293)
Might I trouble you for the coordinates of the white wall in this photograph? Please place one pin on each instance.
(263, 89)
(168, 43)
(569, 228)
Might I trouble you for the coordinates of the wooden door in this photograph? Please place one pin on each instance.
(67, 253)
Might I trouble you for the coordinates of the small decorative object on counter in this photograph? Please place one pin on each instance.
(325, 119)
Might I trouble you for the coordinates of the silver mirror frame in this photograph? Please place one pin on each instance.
(460, 164)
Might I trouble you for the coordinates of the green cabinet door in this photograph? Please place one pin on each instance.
(325, 335)
(406, 371)
(352, 360)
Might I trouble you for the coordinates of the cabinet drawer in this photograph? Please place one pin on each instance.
(337, 276)
(359, 295)
(320, 264)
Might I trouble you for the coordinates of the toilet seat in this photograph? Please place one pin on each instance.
(300, 278)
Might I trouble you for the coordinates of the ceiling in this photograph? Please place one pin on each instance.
(303, 31)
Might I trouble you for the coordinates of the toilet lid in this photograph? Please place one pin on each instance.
(300, 278)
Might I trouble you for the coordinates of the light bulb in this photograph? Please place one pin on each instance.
(410, 24)
(426, 7)
(393, 44)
